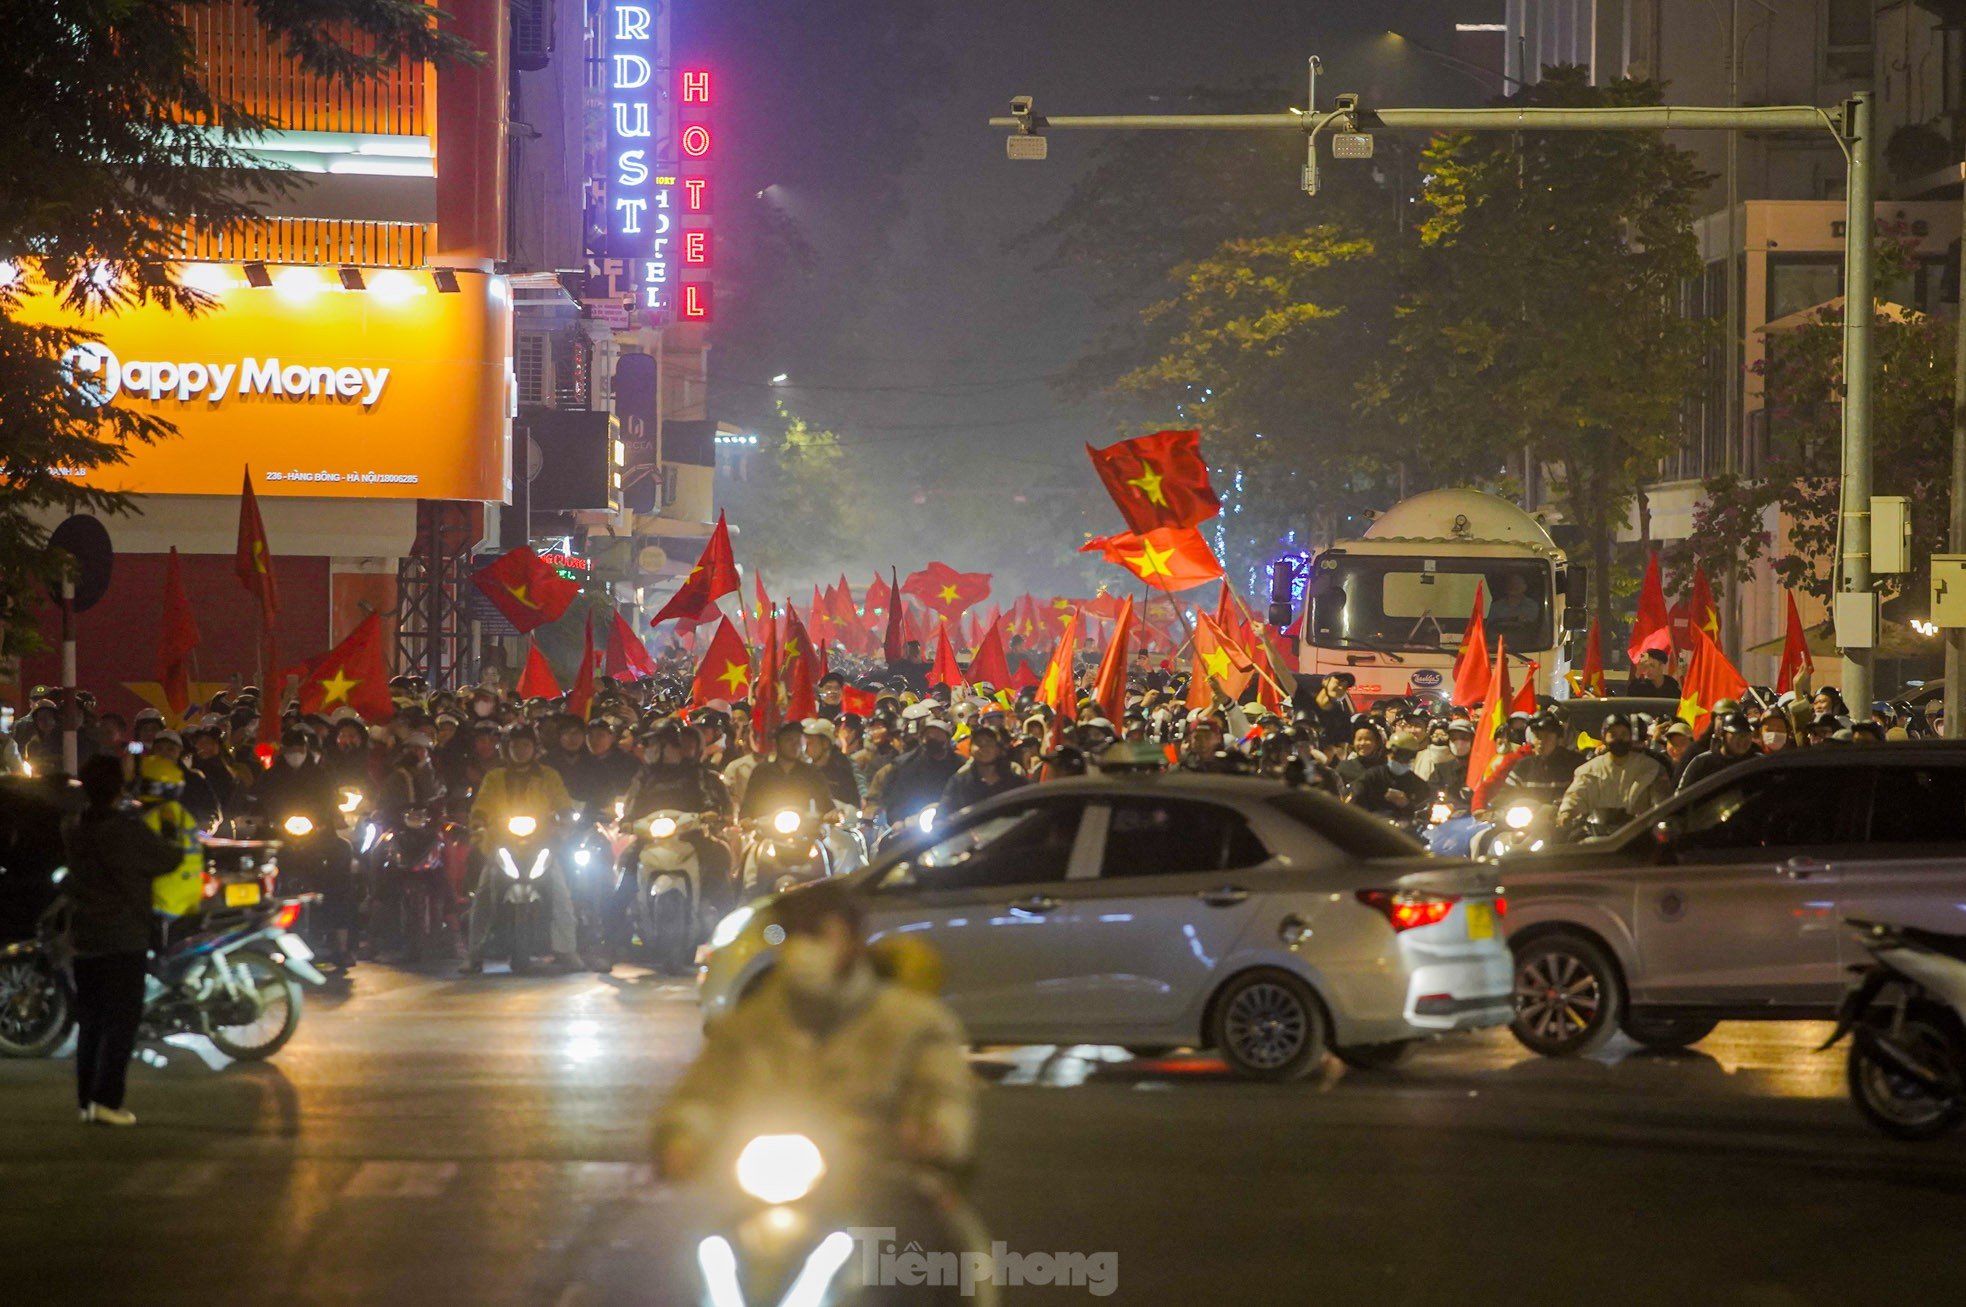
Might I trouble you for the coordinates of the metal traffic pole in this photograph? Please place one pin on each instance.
(1955, 696)
(1854, 502)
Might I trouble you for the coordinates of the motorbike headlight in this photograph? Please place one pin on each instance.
(506, 864)
(662, 827)
(620, 809)
(731, 927)
(1519, 816)
(581, 857)
(927, 819)
(786, 822)
(538, 866)
(779, 1168)
(298, 826)
(59, 875)
(369, 833)
(351, 800)
(1440, 812)
(522, 826)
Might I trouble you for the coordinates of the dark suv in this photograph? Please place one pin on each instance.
(1727, 901)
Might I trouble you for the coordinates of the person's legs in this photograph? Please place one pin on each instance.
(88, 1028)
(483, 908)
(109, 1007)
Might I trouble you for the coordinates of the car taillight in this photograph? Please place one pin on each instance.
(1406, 909)
(1501, 905)
(288, 914)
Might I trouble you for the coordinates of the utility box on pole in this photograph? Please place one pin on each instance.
(1890, 534)
(1949, 591)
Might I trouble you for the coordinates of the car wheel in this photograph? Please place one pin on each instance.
(1378, 1057)
(1664, 1034)
(1268, 1026)
(1567, 996)
(1893, 1101)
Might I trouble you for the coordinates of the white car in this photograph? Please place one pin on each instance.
(1179, 911)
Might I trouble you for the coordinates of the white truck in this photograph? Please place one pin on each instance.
(1390, 607)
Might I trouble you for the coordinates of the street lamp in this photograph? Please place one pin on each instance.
(1459, 64)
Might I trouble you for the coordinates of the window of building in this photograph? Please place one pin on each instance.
(529, 352)
(1848, 27)
(1802, 281)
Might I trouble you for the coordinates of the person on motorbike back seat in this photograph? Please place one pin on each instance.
(159, 782)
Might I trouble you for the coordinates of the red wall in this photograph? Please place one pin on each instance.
(116, 641)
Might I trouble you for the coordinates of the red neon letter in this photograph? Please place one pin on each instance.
(697, 189)
(696, 247)
(696, 140)
(696, 86)
(696, 301)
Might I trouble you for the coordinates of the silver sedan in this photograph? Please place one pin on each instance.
(1178, 911)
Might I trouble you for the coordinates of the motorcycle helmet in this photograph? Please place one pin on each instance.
(159, 780)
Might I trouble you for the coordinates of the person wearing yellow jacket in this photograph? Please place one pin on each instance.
(524, 787)
(181, 892)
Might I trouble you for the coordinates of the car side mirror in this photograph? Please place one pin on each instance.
(1575, 618)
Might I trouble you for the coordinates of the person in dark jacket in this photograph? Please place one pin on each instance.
(918, 777)
(988, 773)
(314, 858)
(112, 859)
(786, 779)
(1733, 745)
(822, 751)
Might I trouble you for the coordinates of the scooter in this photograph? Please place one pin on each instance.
(674, 909)
(413, 904)
(522, 853)
(785, 849)
(1903, 1015)
(809, 1226)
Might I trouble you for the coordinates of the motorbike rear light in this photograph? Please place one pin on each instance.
(288, 914)
(210, 885)
(1407, 909)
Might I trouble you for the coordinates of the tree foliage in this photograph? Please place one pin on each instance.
(115, 148)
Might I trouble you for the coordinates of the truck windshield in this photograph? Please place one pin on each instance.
(1399, 603)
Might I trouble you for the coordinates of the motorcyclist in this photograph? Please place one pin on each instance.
(821, 751)
(882, 1066)
(1545, 774)
(668, 782)
(988, 773)
(1733, 745)
(1368, 748)
(195, 792)
(524, 786)
(347, 757)
(602, 774)
(918, 777)
(786, 780)
(1391, 788)
(298, 786)
(1622, 779)
(410, 781)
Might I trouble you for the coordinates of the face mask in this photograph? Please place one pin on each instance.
(295, 757)
(1461, 747)
(1396, 767)
(935, 747)
(809, 967)
(1774, 739)
(1618, 748)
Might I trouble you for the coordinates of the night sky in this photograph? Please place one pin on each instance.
(920, 322)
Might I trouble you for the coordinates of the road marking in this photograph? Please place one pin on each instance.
(170, 1179)
(400, 1180)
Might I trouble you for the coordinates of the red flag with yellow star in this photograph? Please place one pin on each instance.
(724, 671)
(1109, 685)
(1058, 690)
(1172, 558)
(351, 674)
(942, 589)
(1494, 715)
(581, 697)
(990, 666)
(945, 670)
(1709, 679)
(252, 558)
(1157, 481)
(1219, 660)
(536, 679)
(713, 577)
(766, 711)
(526, 589)
(626, 652)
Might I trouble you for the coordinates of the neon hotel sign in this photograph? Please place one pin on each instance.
(657, 205)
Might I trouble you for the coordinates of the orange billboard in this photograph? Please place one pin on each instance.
(393, 390)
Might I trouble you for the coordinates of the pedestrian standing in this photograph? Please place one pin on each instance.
(113, 857)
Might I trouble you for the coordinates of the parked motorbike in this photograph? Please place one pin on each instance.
(785, 849)
(1903, 1016)
(782, 1234)
(235, 979)
(674, 909)
(521, 926)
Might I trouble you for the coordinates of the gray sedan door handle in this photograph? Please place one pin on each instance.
(1035, 906)
(1223, 896)
(1801, 868)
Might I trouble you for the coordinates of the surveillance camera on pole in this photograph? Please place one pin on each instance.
(1029, 142)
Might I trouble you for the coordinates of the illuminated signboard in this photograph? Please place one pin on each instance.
(641, 186)
(697, 141)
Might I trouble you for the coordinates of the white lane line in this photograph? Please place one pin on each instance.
(400, 1180)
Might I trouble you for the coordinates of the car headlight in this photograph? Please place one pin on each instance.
(1440, 812)
(522, 826)
(1519, 816)
(351, 800)
(731, 927)
(779, 1168)
(926, 821)
(662, 827)
(785, 822)
(298, 826)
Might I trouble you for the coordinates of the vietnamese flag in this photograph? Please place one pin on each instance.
(1058, 690)
(626, 652)
(1056, 615)
(252, 557)
(177, 636)
(1709, 679)
(1494, 716)
(861, 703)
(990, 666)
(526, 589)
(536, 679)
(713, 577)
(1652, 627)
(1219, 661)
(765, 705)
(1157, 481)
(581, 697)
(944, 590)
(760, 611)
(351, 674)
(1109, 686)
(1471, 667)
(880, 597)
(1796, 660)
(1525, 698)
(911, 627)
(1592, 683)
(724, 672)
(893, 641)
(945, 671)
(1172, 558)
(801, 648)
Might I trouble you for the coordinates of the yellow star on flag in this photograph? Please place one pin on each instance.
(519, 593)
(259, 556)
(1151, 562)
(335, 688)
(792, 647)
(1690, 710)
(948, 594)
(1216, 662)
(735, 674)
(1148, 484)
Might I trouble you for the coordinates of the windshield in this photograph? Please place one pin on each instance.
(1416, 602)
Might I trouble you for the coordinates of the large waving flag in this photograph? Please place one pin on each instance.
(1157, 481)
(1471, 667)
(1709, 679)
(724, 672)
(944, 590)
(1652, 628)
(581, 697)
(526, 589)
(1220, 660)
(1797, 661)
(1171, 558)
(945, 670)
(1494, 715)
(713, 577)
(1109, 686)
(990, 666)
(627, 655)
(351, 675)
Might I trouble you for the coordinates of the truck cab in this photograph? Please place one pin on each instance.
(1390, 607)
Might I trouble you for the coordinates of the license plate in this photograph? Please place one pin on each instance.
(242, 895)
(1481, 921)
